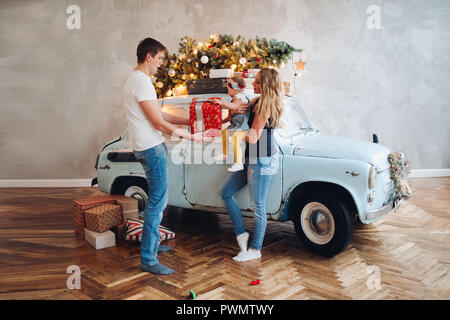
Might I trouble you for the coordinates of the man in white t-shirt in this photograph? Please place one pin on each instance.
(146, 124)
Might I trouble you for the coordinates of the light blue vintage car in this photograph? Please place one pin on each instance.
(324, 184)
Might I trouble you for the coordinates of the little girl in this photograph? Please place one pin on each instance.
(238, 121)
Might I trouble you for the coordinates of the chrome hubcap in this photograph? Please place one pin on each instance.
(139, 194)
(317, 223)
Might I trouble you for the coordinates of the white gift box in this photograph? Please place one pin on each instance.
(220, 73)
(100, 240)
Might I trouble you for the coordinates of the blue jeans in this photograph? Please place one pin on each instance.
(154, 161)
(258, 177)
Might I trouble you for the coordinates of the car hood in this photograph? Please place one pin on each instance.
(321, 145)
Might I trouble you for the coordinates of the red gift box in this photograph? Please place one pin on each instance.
(210, 117)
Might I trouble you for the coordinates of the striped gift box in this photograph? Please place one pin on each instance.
(134, 231)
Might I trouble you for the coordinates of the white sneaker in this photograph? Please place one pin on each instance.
(236, 167)
(247, 256)
(221, 157)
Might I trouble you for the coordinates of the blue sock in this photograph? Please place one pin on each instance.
(157, 268)
(162, 248)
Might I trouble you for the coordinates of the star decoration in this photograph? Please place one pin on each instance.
(300, 65)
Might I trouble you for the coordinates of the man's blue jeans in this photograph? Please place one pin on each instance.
(258, 177)
(154, 161)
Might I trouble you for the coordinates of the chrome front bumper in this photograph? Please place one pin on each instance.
(374, 214)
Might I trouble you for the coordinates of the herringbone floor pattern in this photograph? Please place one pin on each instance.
(404, 256)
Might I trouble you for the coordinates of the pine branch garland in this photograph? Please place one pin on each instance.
(222, 51)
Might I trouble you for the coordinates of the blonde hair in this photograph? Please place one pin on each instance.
(271, 102)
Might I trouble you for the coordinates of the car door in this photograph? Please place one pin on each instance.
(204, 180)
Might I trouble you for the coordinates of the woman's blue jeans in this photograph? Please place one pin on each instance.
(258, 177)
(154, 161)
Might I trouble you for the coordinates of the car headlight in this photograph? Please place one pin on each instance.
(372, 176)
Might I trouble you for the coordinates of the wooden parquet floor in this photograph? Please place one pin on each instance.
(406, 255)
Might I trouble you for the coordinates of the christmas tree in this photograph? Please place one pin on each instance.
(195, 59)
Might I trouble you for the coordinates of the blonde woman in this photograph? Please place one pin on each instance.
(261, 162)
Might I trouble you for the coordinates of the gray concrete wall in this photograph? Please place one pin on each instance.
(60, 89)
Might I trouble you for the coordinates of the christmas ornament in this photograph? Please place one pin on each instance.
(300, 65)
(242, 61)
(204, 59)
(247, 74)
(159, 84)
(171, 72)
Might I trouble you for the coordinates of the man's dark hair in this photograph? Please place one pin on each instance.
(148, 45)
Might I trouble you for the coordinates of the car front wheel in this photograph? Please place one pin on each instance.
(135, 188)
(322, 222)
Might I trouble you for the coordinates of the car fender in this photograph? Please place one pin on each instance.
(350, 175)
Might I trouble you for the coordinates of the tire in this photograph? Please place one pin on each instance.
(137, 189)
(323, 222)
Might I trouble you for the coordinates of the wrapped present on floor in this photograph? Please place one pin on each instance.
(130, 208)
(80, 206)
(130, 214)
(134, 231)
(206, 118)
(100, 240)
(165, 234)
(104, 217)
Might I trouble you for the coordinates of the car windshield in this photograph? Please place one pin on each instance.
(294, 120)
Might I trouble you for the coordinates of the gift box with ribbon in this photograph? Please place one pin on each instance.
(206, 117)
